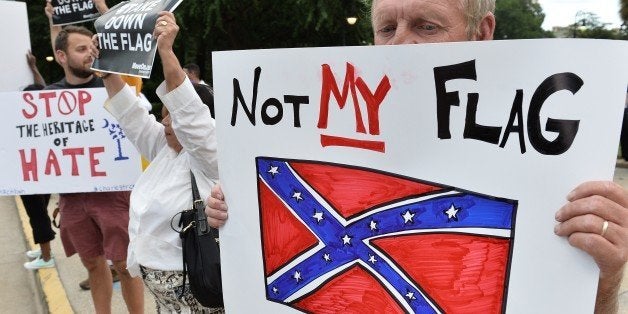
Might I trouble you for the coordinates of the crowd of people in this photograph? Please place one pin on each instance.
(131, 230)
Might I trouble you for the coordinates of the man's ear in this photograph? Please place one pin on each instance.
(61, 57)
(486, 27)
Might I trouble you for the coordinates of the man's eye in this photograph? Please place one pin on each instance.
(387, 29)
(430, 28)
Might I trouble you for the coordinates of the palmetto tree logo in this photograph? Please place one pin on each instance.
(116, 133)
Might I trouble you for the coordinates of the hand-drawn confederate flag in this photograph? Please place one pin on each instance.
(344, 239)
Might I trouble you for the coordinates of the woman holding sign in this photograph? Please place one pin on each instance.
(184, 141)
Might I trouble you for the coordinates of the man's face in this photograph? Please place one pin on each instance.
(77, 58)
(418, 21)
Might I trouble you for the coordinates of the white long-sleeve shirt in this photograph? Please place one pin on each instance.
(164, 189)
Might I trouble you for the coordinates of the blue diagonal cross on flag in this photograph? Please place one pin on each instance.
(339, 238)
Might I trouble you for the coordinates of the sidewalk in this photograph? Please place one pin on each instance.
(56, 290)
(20, 292)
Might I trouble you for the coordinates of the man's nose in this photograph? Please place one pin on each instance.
(405, 35)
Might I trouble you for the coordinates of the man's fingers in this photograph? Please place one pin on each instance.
(594, 226)
(597, 205)
(607, 189)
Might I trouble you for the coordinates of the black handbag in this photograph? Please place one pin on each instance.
(201, 253)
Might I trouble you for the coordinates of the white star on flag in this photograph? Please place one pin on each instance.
(408, 216)
(297, 196)
(372, 259)
(326, 257)
(452, 212)
(275, 290)
(274, 170)
(346, 240)
(373, 225)
(318, 216)
(410, 295)
(297, 276)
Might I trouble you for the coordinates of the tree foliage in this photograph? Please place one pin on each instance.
(590, 26)
(213, 25)
(519, 19)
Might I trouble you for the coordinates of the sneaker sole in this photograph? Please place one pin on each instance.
(35, 268)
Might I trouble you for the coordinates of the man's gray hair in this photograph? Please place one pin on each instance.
(474, 11)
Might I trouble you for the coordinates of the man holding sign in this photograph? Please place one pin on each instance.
(595, 219)
(94, 225)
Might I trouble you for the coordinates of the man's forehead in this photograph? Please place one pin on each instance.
(440, 9)
(457, 4)
(78, 39)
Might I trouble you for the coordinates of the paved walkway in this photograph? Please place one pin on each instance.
(56, 290)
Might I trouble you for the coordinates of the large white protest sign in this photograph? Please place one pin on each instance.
(73, 11)
(15, 73)
(418, 178)
(125, 36)
(60, 141)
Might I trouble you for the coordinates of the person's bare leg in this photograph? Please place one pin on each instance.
(100, 283)
(45, 251)
(132, 288)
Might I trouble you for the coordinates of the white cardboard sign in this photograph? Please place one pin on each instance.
(418, 178)
(15, 73)
(61, 141)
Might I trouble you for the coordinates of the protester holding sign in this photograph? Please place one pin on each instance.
(595, 218)
(94, 225)
(185, 141)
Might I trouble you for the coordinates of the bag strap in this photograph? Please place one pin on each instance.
(199, 225)
(199, 208)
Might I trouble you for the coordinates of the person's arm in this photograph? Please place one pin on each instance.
(166, 30)
(191, 119)
(595, 220)
(101, 6)
(54, 29)
(141, 128)
(32, 64)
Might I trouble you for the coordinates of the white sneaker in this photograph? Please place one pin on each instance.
(40, 263)
(33, 253)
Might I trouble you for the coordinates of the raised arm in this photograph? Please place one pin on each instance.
(32, 64)
(166, 31)
(54, 29)
(191, 120)
(101, 6)
(140, 128)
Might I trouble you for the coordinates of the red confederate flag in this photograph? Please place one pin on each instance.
(344, 239)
